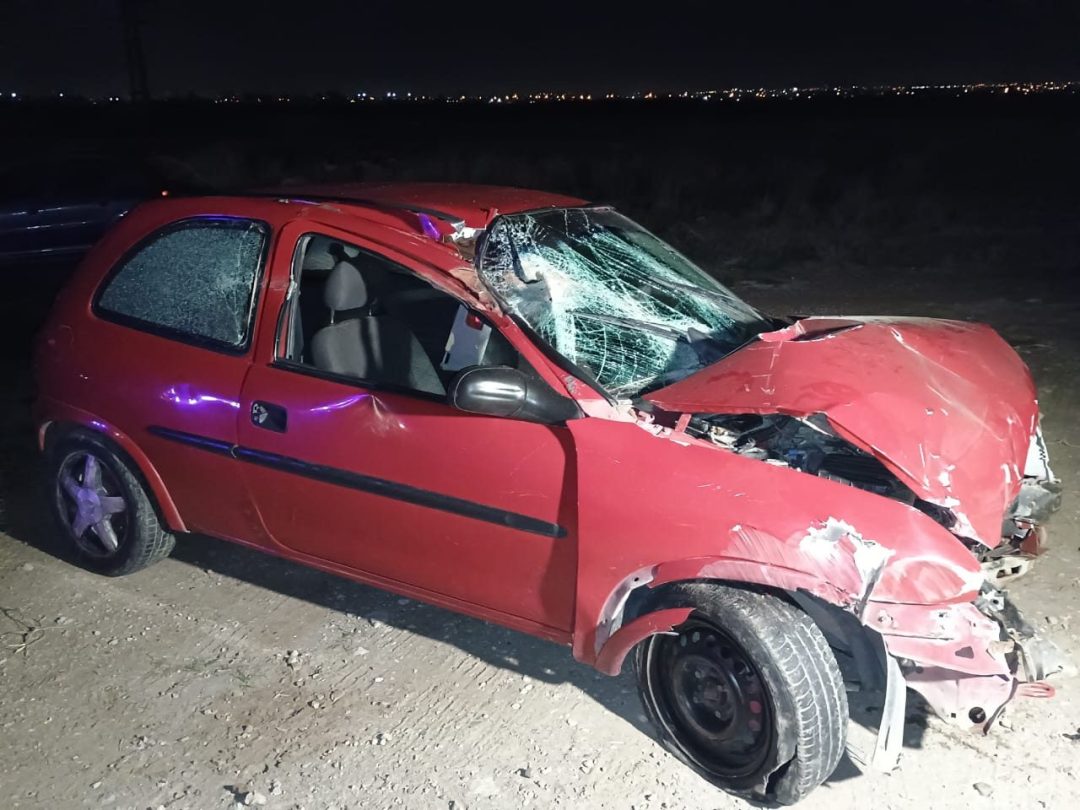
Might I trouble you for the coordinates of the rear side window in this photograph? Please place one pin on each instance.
(195, 280)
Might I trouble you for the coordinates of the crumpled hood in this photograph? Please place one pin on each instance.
(947, 406)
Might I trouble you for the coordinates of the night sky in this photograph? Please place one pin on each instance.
(75, 46)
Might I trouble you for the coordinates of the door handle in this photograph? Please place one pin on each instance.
(269, 416)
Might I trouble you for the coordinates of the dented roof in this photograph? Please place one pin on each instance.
(473, 205)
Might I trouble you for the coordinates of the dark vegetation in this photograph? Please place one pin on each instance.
(979, 189)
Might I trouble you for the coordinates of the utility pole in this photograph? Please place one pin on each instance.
(133, 49)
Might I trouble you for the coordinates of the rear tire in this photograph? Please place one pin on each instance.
(747, 693)
(102, 508)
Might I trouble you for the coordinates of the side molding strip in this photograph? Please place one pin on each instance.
(365, 483)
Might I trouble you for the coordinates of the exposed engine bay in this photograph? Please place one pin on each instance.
(811, 446)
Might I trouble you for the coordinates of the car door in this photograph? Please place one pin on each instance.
(411, 493)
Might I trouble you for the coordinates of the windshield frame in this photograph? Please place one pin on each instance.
(567, 363)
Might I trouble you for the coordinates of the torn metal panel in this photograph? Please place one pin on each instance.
(968, 701)
(923, 396)
(968, 659)
(957, 637)
(837, 539)
(611, 617)
(897, 570)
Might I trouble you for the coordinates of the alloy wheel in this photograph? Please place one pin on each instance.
(91, 504)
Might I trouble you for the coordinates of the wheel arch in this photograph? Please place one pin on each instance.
(657, 599)
(53, 432)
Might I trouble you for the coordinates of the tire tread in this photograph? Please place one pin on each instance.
(802, 665)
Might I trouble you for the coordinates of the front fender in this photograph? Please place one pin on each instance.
(668, 508)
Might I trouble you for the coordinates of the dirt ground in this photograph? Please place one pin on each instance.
(177, 687)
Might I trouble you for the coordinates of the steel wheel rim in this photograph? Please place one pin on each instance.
(711, 699)
(91, 504)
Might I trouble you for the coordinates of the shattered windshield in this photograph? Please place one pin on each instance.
(612, 298)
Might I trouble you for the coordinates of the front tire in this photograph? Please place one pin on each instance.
(102, 508)
(746, 692)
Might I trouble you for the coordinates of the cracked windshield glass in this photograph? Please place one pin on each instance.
(612, 298)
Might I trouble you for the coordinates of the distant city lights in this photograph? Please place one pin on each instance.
(726, 95)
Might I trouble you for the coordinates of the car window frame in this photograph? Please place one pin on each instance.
(305, 369)
(177, 335)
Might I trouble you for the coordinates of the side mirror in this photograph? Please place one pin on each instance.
(505, 391)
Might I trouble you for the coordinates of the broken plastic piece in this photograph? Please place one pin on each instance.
(890, 737)
(1005, 569)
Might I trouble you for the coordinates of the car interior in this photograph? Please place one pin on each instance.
(356, 314)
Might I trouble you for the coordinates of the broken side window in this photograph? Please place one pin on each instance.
(192, 280)
(612, 298)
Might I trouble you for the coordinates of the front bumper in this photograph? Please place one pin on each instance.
(967, 660)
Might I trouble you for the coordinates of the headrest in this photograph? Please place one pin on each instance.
(323, 253)
(345, 288)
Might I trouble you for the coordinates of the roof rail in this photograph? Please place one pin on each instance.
(456, 222)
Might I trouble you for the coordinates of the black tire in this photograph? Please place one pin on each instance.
(747, 693)
(140, 539)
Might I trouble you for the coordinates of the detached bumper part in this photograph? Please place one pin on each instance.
(1037, 502)
(966, 661)
(891, 734)
(1024, 530)
(1037, 657)
(1024, 527)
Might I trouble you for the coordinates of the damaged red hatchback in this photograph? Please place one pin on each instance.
(529, 409)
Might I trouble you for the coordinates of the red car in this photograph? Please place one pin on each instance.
(529, 409)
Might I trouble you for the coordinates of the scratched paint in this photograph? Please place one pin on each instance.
(923, 396)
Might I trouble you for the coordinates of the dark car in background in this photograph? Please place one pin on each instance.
(58, 208)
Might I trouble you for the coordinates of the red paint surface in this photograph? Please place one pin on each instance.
(948, 406)
(923, 395)
(527, 469)
(474, 204)
(694, 511)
